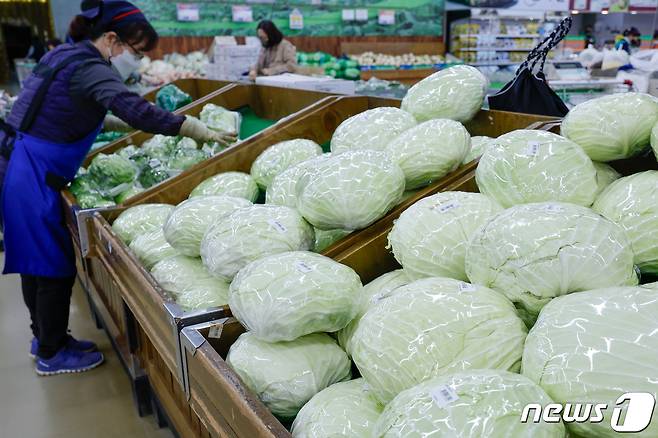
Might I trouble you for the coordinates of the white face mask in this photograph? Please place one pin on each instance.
(125, 64)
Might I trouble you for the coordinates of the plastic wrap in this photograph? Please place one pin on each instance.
(479, 145)
(180, 274)
(433, 327)
(292, 294)
(238, 184)
(371, 129)
(279, 157)
(252, 233)
(325, 238)
(140, 220)
(370, 295)
(220, 119)
(283, 189)
(532, 253)
(170, 98)
(109, 171)
(151, 247)
(483, 403)
(345, 409)
(190, 220)
(204, 296)
(455, 93)
(653, 139)
(350, 191)
(430, 237)
(127, 194)
(429, 151)
(632, 203)
(605, 175)
(612, 127)
(594, 346)
(159, 146)
(527, 166)
(285, 375)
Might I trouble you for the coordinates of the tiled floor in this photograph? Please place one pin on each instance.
(94, 404)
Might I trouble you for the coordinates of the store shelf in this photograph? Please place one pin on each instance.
(476, 35)
(484, 49)
(493, 63)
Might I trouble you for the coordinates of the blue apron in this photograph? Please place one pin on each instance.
(37, 241)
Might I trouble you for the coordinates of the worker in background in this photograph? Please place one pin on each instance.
(629, 40)
(50, 130)
(277, 55)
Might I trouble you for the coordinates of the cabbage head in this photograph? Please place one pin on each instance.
(252, 233)
(345, 409)
(612, 127)
(220, 119)
(429, 151)
(127, 194)
(526, 166)
(654, 139)
(350, 191)
(283, 189)
(479, 145)
(533, 253)
(594, 346)
(371, 129)
(430, 237)
(205, 296)
(325, 238)
(482, 403)
(109, 171)
(279, 157)
(238, 184)
(184, 158)
(433, 327)
(292, 294)
(140, 219)
(371, 294)
(190, 220)
(286, 375)
(151, 247)
(605, 175)
(632, 203)
(160, 146)
(180, 274)
(455, 93)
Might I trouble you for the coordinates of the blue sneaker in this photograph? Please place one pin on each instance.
(68, 361)
(72, 344)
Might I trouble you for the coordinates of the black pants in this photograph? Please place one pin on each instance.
(48, 300)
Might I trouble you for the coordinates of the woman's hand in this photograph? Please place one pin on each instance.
(197, 130)
(252, 75)
(267, 71)
(113, 123)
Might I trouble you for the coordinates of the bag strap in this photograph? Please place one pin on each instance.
(540, 52)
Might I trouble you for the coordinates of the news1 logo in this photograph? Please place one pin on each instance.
(638, 413)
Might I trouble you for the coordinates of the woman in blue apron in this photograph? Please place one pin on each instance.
(48, 133)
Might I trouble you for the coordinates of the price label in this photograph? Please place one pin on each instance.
(242, 14)
(187, 12)
(444, 396)
(443, 208)
(466, 287)
(277, 226)
(386, 17)
(533, 149)
(296, 20)
(303, 267)
(215, 331)
(554, 208)
(377, 298)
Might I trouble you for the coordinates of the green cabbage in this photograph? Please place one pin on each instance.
(430, 237)
(181, 275)
(279, 157)
(251, 233)
(350, 191)
(325, 238)
(94, 200)
(345, 409)
(238, 184)
(186, 143)
(153, 173)
(429, 151)
(159, 147)
(285, 375)
(653, 139)
(292, 294)
(455, 93)
(526, 166)
(127, 194)
(220, 119)
(151, 247)
(533, 253)
(371, 129)
(433, 327)
(140, 219)
(189, 221)
(594, 346)
(110, 171)
(199, 297)
(605, 175)
(612, 127)
(483, 403)
(128, 151)
(479, 145)
(283, 189)
(183, 159)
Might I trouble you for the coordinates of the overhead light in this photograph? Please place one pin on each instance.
(575, 12)
(604, 12)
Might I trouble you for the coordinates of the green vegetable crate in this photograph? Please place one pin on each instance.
(220, 405)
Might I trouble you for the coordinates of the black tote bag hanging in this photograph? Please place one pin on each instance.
(529, 92)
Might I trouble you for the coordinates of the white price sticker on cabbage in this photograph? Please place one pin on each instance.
(431, 327)
(238, 184)
(527, 166)
(535, 252)
(279, 157)
(140, 220)
(288, 295)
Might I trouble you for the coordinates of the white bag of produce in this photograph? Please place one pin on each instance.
(479, 145)
(189, 221)
(292, 294)
(152, 247)
(612, 127)
(345, 409)
(527, 166)
(238, 184)
(371, 129)
(286, 375)
(140, 219)
(433, 327)
(632, 203)
(429, 151)
(474, 404)
(533, 253)
(252, 233)
(350, 191)
(279, 157)
(283, 189)
(455, 93)
(594, 346)
(430, 237)
(220, 119)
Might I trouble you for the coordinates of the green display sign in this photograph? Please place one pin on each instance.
(319, 17)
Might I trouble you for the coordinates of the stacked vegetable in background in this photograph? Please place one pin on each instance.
(340, 68)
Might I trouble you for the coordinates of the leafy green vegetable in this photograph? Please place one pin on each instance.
(111, 170)
(170, 98)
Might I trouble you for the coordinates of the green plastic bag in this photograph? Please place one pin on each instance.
(170, 98)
